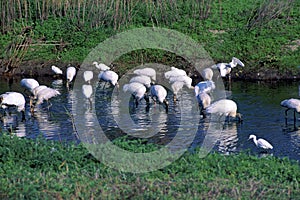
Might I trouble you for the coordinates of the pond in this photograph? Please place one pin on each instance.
(258, 102)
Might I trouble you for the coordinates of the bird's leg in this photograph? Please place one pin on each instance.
(174, 98)
(294, 117)
(23, 115)
(286, 113)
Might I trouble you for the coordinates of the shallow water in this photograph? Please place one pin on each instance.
(181, 127)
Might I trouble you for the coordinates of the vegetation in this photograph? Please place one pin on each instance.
(39, 169)
(264, 34)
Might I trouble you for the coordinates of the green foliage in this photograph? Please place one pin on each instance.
(48, 169)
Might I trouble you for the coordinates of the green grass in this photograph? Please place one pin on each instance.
(39, 169)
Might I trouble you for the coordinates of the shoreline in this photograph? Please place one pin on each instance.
(35, 68)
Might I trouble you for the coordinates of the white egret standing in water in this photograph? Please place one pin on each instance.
(261, 143)
(138, 91)
(147, 72)
(293, 104)
(225, 68)
(88, 76)
(225, 107)
(101, 66)
(109, 76)
(56, 70)
(71, 72)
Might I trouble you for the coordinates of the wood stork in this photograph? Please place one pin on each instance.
(204, 86)
(13, 99)
(42, 93)
(204, 100)
(146, 72)
(225, 107)
(145, 80)
(109, 76)
(56, 70)
(207, 74)
(225, 68)
(29, 84)
(101, 66)
(138, 91)
(289, 104)
(88, 76)
(159, 93)
(177, 83)
(71, 72)
(175, 72)
(261, 143)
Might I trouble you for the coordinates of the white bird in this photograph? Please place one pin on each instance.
(29, 84)
(109, 76)
(138, 91)
(147, 72)
(225, 68)
(177, 83)
(204, 100)
(13, 99)
(42, 93)
(175, 72)
(71, 72)
(261, 143)
(101, 66)
(204, 86)
(291, 104)
(87, 91)
(145, 80)
(56, 70)
(207, 74)
(225, 107)
(159, 93)
(88, 76)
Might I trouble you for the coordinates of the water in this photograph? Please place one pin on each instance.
(181, 127)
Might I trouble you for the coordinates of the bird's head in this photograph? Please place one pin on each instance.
(251, 137)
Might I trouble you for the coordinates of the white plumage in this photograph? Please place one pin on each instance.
(46, 94)
(56, 70)
(145, 80)
(146, 72)
(87, 91)
(207, 74)
(138, 90)
(88, 76)
(71, 72)
(29, 84)
(13, 99)
(159, 93)
(261, 143)
(204, 86)
(225, 68)
(101, 66)
(175, 72)
(289, 104)
(109, 76)
(204, 100)
(225, 107)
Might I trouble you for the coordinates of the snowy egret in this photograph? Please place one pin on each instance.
(175, 72)
(71, 72)
(13, 99)
(88, 76)
(207, 74)
(29, 84)
(146, 72)
(225, 68)
(87, 91)
(160, 93)
(101, 66)
(204, 86)
(138, 91)
(225, 107)
(145, 80)
(261, 143)
(56, 70)
(204, 100)
(109, 76)
(291, 104)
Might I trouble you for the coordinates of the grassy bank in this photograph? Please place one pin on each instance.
(46, 169)
(264, 34)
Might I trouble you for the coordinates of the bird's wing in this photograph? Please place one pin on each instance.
(264, 144)
(236, 60)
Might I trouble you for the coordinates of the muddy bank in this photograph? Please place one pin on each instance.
(43, 69)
